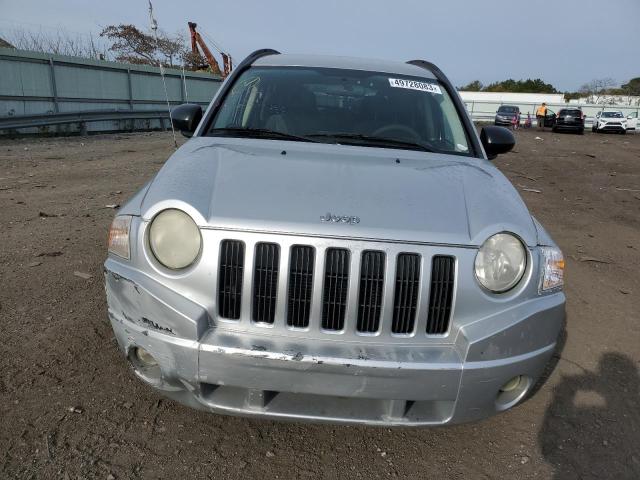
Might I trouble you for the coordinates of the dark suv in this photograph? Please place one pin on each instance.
(505, 114)
(570, 119)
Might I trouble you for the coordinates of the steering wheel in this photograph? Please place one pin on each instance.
(396, 127)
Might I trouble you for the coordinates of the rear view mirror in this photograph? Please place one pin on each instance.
(496, 140)
(186, 118)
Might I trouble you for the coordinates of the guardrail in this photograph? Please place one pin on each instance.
(16, 122)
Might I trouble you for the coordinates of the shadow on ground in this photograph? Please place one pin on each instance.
(591, 429)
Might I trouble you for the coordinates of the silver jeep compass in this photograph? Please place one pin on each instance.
(333, 244)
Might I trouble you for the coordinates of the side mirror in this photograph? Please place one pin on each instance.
(496, 140)
(186, 118)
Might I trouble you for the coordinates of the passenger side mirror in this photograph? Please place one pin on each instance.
(496, 140)
(186, 118)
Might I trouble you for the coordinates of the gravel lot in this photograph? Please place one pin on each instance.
(70, 407)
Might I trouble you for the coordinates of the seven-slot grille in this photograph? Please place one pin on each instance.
(230, 278)
(402, 293)
(371, 291)
(265, 282)
(336, 285)
(441, 296)
(300, 286)
(405, 299)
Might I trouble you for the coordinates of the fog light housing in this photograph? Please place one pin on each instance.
(512, 384)
(144, 357)
(145, 365)
(512, 392)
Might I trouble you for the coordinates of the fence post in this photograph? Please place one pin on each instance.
(54, 89)
(129, 87)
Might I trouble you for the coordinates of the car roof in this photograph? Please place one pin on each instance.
(347, 63)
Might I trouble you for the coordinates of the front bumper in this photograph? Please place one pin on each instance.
(611, 128)
(207, 367)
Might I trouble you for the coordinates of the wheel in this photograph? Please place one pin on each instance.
(623, 132)
(554, 129)
(581, 131)
(593, 129)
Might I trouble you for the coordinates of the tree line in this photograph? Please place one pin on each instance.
(122, 43)
(594, 91)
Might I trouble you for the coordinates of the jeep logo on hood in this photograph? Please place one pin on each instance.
(350, 219)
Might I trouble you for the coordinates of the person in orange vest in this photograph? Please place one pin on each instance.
(541, 113)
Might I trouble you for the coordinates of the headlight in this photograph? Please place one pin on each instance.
(552, 266)
(118, 242)
(500, 262)
(174, 239)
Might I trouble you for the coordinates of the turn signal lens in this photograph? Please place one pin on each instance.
(118, 242)
(552, 264)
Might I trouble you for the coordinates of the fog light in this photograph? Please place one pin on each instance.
(512, 384)
(512, 392)
(145, 358)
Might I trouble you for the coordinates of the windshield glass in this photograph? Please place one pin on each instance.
(507, 109)
(342, 106)
(575, 113)
(612, 114)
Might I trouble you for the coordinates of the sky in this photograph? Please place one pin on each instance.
(565, 42)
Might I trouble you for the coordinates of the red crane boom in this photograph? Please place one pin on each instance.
(196, 40)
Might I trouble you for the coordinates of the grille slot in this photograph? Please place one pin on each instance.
(371, 291)
(441, 297)
(406, 293)
(300, 286)
(265, 282)
(230, 279)
(336, 285)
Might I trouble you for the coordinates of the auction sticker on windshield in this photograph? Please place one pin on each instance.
(415, 85)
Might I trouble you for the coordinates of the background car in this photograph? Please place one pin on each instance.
(611, 121)
(505, 114)
(550, 118)
(632, 121)
(569, 119)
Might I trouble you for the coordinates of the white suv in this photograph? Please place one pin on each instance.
(609, 122)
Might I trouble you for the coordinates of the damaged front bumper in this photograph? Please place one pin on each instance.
(206, 366)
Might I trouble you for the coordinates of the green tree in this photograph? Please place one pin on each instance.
(632, 86)
(521, 86)
(474, 86)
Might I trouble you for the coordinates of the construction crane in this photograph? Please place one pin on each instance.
(196, 40)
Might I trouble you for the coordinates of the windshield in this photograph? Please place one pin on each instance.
(612, 114)
(575, 113)
(507, 109)
(342, 106)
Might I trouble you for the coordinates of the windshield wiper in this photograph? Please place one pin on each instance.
(258, 133)
(383, 142)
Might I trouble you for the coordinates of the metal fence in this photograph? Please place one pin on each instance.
(35, 84)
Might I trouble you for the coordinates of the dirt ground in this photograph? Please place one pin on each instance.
(71, 408)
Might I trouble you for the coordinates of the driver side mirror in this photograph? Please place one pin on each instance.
(186, 118)
(496, 140)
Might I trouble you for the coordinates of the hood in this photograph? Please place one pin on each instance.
(282, 186)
